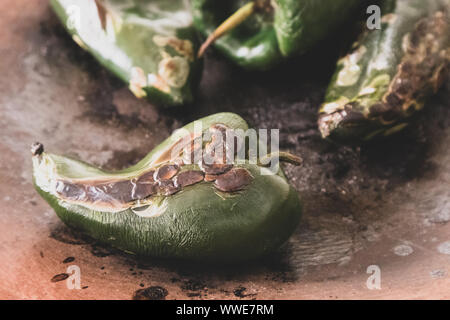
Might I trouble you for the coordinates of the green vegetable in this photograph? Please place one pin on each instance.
(389, 73)
(167, 206)
(149, 44)
(272, 31)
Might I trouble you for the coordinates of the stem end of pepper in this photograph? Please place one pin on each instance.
(205, 45)
(37, 149)
(229, 24)
(283, 157)
(290, 158)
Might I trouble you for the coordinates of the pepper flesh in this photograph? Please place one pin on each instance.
(279, 28)
(245, 213)
(389, 73)
(149, 44)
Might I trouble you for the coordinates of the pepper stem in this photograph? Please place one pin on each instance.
(283, 157)
(229, 24)
(290, 158)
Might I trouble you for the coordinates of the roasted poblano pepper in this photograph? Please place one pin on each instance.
(273, 29)
(389, 73)
(149, 44)
(168, 205)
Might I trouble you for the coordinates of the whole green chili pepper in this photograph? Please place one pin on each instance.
(172, 204)
(272, 31)
(389, 73)
(149, 44)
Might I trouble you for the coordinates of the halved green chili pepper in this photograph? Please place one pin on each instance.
(389, 73)
(273, 30)
(149, 44)
(170, 206)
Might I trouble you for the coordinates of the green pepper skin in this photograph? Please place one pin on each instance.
(261, 43)
(198, 223)
(389, 73)
(149, 44)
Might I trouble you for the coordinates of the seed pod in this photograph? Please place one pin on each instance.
(247, 212)
(389, 73)
(148, 44)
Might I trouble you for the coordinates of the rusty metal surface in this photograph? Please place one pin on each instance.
(385, 204)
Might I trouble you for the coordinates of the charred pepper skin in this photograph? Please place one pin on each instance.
(278, 30)
(241, 214)
(389, 73)
(149, 44)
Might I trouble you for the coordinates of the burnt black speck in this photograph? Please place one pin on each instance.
(68, 259)
(59, 277)
(151, 293)
(240, 292)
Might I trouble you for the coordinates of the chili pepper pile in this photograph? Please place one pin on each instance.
(174, 204)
